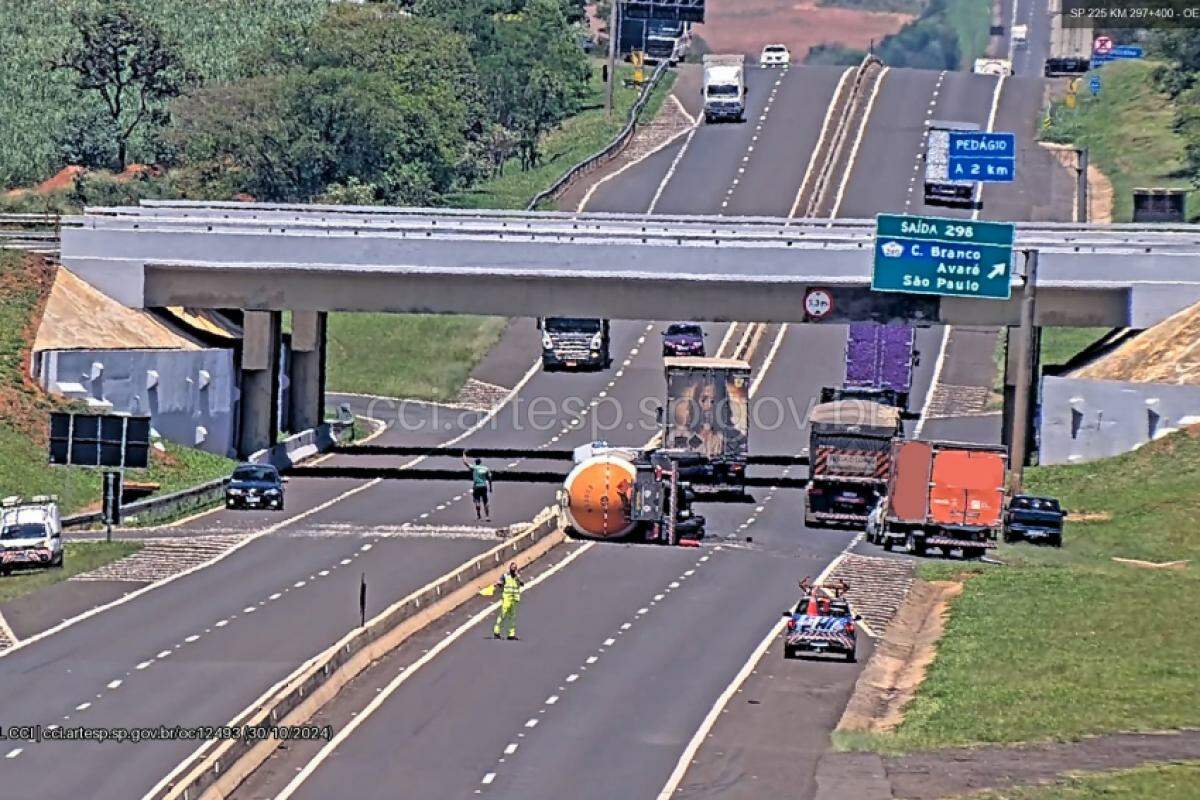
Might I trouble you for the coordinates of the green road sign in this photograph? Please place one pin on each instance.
(935, 255)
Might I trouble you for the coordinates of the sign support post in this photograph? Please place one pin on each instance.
(1021, 416)
(613, 33)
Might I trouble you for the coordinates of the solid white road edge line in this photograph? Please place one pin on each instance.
(587, 197)
(662, 185)
(91, 612)
(381, 697)
(820, 140)
(933, 382)
(710, 720)
(991, 125)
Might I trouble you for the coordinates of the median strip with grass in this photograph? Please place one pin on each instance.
(1060, 644)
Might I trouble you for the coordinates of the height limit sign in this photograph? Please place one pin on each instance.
(983, 156)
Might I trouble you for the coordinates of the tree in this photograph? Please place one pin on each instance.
(128, 63)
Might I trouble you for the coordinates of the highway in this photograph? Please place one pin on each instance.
(200, 648)
(692, 615)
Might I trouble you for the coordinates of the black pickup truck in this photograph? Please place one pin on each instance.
(1034, 519)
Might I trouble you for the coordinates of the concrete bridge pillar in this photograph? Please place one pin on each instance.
(1012, 368)
(307, 370)
(259, 401)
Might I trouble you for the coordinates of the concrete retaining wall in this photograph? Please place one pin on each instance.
(1083, 420)
(190, 395)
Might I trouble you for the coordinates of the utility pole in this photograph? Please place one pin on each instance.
(1019, 435)
(613, 33)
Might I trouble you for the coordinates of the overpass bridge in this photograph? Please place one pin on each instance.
(308, 259)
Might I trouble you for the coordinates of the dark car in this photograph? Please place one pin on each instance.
(255, 486)
(832, 630)
(683, 339)
(1036, 519)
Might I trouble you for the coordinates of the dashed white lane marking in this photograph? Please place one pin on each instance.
(491, 776)
(222, 623)
(512, 748)
(249, 610)
(275, 596)
(16, 751)
(626, 626)
(114, 684)
(145, 664)
(591, 660)
(398, 681)
(641, 611)
(689, 573)
(658, 597)
(609, 642)
(365, 547)
(83, 706)
(552, 699)
(572, 678)
(163, 654)
(531, 723)
(299, 584)
(191, 638)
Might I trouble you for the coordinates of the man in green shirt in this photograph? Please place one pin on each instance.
(481, 485)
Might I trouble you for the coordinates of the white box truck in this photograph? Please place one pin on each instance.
(939, 188)
(724, 88)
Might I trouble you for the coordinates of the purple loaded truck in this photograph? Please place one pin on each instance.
(879, 362)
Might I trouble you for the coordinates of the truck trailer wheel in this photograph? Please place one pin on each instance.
(916, 546)
(851, 657)
(887, 544)
(973, 552)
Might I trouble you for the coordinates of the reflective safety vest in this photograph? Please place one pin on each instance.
(512, 588)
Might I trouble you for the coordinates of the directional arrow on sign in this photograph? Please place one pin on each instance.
(997, 270)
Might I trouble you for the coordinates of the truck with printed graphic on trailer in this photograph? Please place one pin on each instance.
(849, 452)
(946, 495)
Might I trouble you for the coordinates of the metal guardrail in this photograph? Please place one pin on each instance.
(191, 499)
(613, 148)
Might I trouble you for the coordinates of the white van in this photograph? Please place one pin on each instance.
(30, 533)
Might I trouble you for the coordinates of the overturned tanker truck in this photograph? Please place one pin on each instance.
(624, 493)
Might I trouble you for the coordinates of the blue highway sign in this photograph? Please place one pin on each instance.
(983, 156)
(1121, 52)
(949, 257)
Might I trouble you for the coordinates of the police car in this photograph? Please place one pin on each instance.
(30, 533)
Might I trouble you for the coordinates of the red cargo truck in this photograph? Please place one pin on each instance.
(944, 494)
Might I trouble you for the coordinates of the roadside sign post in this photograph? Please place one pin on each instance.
(113, 481)
(940, 256)
(1094, 85)
(983, 156)
(1024, 384)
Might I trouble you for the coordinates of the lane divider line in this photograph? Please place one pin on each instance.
(381, 697)
(91, 612)
(808, 170)
(693, 746)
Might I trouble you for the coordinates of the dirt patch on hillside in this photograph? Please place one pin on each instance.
(744, 26)
(1099, 188)
(901, 657)
(1169, 352)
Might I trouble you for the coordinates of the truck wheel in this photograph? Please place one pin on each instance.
(973, 552)
(1056, 540)
(887, 544)
(917, 546)
(851, 657)
(788, 652)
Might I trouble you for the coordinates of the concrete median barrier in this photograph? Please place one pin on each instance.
(216, 770)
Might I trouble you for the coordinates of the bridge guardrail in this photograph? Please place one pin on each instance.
(219, 770)
(610, 151)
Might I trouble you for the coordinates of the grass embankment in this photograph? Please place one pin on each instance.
(1060, 345)
(24, 408)
(1160, 782)
(1067, 642)
(1129, 132)
(80, 557)
(429, 357)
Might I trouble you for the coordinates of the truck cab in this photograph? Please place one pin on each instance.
(574, 343)
(30, 533)
(724, 88)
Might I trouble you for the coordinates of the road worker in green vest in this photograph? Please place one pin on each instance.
(510, 597)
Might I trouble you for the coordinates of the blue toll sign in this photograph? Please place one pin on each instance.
(983, 156)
